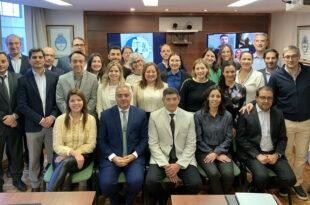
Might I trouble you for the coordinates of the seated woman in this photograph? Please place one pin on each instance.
(192, 88)
(148, 93)
(214, 137)
(74, 139)
(174, 77)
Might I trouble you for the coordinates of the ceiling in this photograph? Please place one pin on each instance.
(261, 6)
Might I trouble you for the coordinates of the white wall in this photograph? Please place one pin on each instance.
(284, 28)
(65, 17)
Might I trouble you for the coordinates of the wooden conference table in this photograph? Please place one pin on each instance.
(202, 200)
(48, 198)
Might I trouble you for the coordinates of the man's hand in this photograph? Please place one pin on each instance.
(248, 107)
(129, 158)
(223, 158)
(9, 120)
(272, 158)
(172, 169)
(119, 161)
(14, 124)
(210, 157)
(49, 121)
(262, 158)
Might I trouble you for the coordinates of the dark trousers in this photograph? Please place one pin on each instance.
(220, 174)
(134, 173)
(190, 178)
(63, 171)
(285, 176)
(12, 138)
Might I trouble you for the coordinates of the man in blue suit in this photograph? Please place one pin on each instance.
(36, 101)
(122, 143)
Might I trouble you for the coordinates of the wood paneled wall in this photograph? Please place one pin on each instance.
(98, 24)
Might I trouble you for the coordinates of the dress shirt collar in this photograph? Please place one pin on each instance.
(168, 112)
(37, 74)
(5, 74)
(120, 109)
(49, 68)
(19, 56)
(165, 64)
(298, 71)
(256, 56)
(260, 110)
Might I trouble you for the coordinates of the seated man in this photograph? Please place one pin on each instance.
(122, 143)
(172, 142)
(261, 141)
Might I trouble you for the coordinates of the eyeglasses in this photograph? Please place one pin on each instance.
(263, 98)
(293, 57)
(137, 61)
(78, 45)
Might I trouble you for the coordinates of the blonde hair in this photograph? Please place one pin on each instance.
(105, 78)
(205, 63)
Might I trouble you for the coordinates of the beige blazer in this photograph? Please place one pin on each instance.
(160, 137)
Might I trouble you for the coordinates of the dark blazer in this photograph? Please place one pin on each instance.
(110, 138)
(263, 71)
(64, 64)
(8, 105)
(23, 67)
(249, 134)
(57, 71)
(29, 101)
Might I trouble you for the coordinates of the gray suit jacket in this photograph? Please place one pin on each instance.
(89, 86)
(160, 138)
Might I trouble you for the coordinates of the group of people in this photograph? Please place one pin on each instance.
(138, 113)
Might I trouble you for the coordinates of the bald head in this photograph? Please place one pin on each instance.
(49, 56)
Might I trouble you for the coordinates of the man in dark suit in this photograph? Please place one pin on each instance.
(122, 143)
(18, 63)
(36, 101)
(261, 141)
(49, 61)
(271, 57)
(10, 133)
(78, 44)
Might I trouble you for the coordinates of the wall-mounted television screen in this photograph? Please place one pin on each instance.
(238, 41)
(148, 44)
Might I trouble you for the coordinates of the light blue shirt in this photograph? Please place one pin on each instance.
(258, 62)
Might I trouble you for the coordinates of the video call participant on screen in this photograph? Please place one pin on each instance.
(122, 143)
(260, 44)
(165, 52)
(36, 101)
(172, 142)
(49, 61)
(261, 143)
(78, 44)
(271, 57)
(224, 39)
(10, 128)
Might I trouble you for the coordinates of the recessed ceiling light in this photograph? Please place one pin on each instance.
(241, 3)
(235, 10)
(150, 2)
(166, 9)
(132, 9)
(59, 2)
(205, 10)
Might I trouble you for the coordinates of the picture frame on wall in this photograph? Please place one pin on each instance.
(303, 43)
(60, 37)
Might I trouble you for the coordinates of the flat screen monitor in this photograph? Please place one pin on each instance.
(217, 39)
(147, 44)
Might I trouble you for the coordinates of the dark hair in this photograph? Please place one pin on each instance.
(126, 47)
(175, 54)
(222, 83)
(220, 61)
(77, 38)
(78, 92)
(77, 52)
(158, 82)
(170, 91)
(114, 48)
(206, 108)
(214, 66)
(35, 50)
(266, 88)
(244, 52)
(89, 62)
(223, 35)
(271, 50)
(3, 53)
(165, 45)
